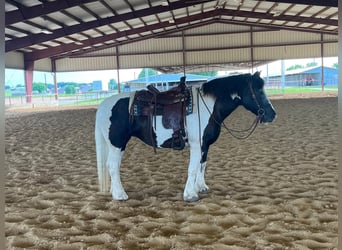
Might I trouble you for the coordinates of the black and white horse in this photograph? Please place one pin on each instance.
(212, 103)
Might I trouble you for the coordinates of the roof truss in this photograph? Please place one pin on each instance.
(63, 28)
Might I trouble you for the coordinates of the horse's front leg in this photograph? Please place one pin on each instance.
(191, 188)
(200, 179)
(113, 163)
(211, 133)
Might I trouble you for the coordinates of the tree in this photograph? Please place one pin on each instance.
(151, 72)
(70, 89)
(39, 86)
(63, 84)
(208, 73)
(311, 64)
(293, 67)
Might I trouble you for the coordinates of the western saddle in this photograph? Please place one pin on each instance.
(173, 105)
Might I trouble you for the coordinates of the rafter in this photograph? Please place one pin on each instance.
(40, 38)
(36, 55)
(65, 31)
(280, 17)
(24, 13)
(209, 14)
(330, 3)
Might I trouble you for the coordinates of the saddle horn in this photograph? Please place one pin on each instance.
(182, 83)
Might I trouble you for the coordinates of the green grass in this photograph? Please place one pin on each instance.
(84, 102)
(77, 100)
(308, 89)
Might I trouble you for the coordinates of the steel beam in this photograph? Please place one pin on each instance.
(330, 3)
(22, 42)
(24, 13)
(29, 68)
(32, 39)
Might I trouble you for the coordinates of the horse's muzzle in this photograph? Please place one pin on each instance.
(268, 116)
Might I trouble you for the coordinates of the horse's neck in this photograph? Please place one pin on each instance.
(223, 108)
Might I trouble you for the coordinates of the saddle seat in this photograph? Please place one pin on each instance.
(172, 105)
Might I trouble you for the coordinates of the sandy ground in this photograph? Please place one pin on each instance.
(275, 190)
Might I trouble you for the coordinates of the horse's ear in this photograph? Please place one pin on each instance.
(257, 73)
(182, 80)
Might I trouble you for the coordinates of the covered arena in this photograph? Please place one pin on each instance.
(275, 190)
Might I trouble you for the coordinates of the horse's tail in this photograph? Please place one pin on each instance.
(101, 156)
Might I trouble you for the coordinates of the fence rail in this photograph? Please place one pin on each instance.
(95, 98)
(41, 100)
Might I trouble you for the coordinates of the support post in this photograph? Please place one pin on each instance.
(118, 67)
(252, 49)
(28, 67)
(322, 57)
(183, 52)
(55, 78)
(283, 75)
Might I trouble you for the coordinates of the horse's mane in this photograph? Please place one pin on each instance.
(220, 87)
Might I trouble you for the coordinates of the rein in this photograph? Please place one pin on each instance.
(235, 133)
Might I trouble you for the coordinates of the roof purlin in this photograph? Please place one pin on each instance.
(40, 10)
(215, 20)
(211, 49)
(39, 38)
(154, 35)
(40, 54)
(51, 52)
(330, 3)
(64, 31)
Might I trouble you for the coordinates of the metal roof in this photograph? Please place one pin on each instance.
(308, 70)
(63, 35)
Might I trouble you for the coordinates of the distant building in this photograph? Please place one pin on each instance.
(19, 91)
(85, 88)
(164, 81)
(97, 85)
(311, 76)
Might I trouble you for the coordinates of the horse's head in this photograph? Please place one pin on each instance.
(255, 99)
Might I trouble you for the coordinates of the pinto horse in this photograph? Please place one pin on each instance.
(213, 102)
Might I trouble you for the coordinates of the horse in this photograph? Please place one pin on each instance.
(212, 103)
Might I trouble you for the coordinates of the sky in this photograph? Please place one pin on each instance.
(15, 77)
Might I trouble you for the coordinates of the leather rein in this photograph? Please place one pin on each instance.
(238, 133)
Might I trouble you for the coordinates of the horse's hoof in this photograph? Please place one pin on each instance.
(122, 197)
(192, 199)
(204, 191)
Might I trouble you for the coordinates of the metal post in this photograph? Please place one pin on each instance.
(283, 75)
(267, 77)
(322, 68)
(118, 67)
(184, 55)
(252, 49)
(55, 78)
(29, 66)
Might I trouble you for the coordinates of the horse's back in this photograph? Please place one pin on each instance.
(107, 105)
(104, 111)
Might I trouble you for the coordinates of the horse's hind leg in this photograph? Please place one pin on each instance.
(113, 163)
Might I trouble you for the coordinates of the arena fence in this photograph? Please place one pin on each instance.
(95, 98)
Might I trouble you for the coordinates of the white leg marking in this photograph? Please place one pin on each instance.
(191, 191)
(200, 181)
(113, 163)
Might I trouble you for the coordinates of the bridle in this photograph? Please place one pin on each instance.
(237, 133)
(261, 111)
